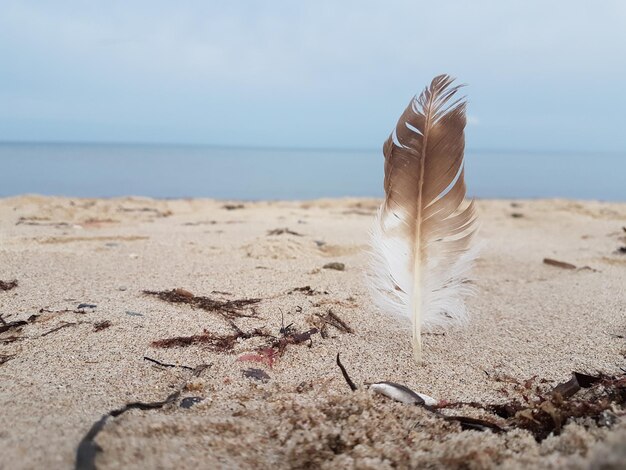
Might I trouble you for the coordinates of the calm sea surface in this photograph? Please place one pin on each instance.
(170, 171)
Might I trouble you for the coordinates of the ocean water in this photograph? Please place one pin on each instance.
(175, 171)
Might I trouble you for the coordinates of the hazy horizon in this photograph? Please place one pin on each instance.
(286, 148)
(174, 171)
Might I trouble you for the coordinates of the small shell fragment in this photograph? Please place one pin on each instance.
(402, 394)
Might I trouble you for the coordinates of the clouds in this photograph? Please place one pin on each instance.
(307, 73)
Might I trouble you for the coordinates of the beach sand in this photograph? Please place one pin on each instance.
(532, 325)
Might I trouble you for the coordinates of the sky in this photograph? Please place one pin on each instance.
(541, 75)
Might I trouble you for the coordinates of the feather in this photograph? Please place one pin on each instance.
(422, 236)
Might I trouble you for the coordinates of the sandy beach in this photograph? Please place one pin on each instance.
(236, 312)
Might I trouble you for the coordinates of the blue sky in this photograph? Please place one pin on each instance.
(542, 75)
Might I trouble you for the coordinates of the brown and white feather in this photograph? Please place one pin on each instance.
(422, 237)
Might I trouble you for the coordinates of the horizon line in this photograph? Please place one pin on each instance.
(281, 148)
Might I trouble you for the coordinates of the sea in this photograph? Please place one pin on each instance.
(198, 171)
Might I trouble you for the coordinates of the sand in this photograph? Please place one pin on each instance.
(528, 319)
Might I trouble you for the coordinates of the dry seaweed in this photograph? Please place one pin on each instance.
(6, 358)
(232, 207)
(228, 309)
(277, 346)
(213, 341)
(558, 264)
(88, 448)
(6, 326)
(292, 337)
(331, 318)
(547, 412)
(282, 231)
(40, 221)
(306, 290)
(80, 309)
(103, 325)
(156, 212)
(8, 285)
(335, 265)
(10, 339)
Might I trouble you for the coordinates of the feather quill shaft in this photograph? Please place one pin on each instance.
(422, 236)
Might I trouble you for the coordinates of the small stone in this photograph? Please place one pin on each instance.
(82, 306)
(607, 419)
(256, 374)
(188, 402)
(335, 265)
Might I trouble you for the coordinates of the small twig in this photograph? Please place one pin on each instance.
(6, 358)
(64, 325)
(338, 321)
(165, 364)
(13, 324)
(345, 375)
(558, 264)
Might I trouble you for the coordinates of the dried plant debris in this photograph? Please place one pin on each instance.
(330, 318)
(256, 374)
(165, 364)
(517, 215)
(214, 341)
(42, 221)
(546, 413)
(543, 415)
(232, 207)
(228, 309)
(5, 358)
(277, 346)
(60, 327)
(358, 212)
(345, 374)
(282, 231)
(88, 449)
(306, 290)
(335, 265)
(80, 309)
(152, 210)
(10, 339)
(7, 326)
(8, 285)
(102, 325)
(558, 264)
